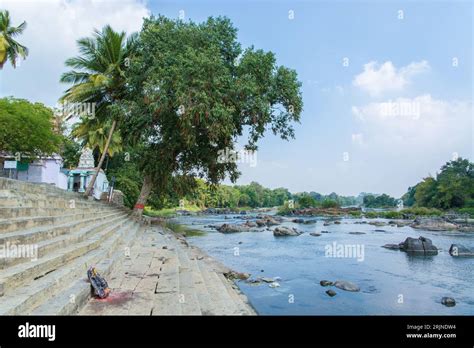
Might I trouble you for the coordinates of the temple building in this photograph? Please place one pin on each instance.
(79, 178)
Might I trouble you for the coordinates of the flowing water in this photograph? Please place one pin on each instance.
(390, 281)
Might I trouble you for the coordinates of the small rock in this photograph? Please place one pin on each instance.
(391, 246)
(356, 232)
(315, 234)
(347, 286)
(324, 231)
(285, 231)
(274, 285)
(337, 222)
(331, 293)
(165, 247)
(380, 231)
(448, 301)
(267, 280)
(326, 283)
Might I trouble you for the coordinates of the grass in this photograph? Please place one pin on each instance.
(169, 212)
(188, 232)
(392, 214)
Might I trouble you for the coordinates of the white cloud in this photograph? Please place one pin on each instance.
(51, 34)
(420, 126)
(377, 79)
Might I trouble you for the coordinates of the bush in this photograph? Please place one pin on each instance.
(329, 203)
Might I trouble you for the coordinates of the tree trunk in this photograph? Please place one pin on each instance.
(102, 157)
(142, 198)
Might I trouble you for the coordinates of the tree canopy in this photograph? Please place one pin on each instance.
(193, 91)
(27, 128)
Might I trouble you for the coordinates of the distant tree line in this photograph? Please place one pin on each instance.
(452, 187)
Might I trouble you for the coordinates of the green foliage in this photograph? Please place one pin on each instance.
(70, 152)
(27, 128)
(9, 48)
(380, 201)
(453, 187)
(329, 203)
(192, 91)
(306, 201)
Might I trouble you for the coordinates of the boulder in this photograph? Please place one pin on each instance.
(433, 224)
(251, 224)
(448, 301)
(420, 245)
(237, 275)
(232, 228)
(285, 231)
(458, 250)
(331, 293)
(298, 221)
(347, 286)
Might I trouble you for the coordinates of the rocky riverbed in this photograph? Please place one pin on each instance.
(380, 266)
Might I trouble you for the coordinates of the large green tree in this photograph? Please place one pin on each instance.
(27, 129)
(10, 49)
(98, 79)
(194, 92)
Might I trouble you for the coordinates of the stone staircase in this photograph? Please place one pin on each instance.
(48, 239)
(163, 275)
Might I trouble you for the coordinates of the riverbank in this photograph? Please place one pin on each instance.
(162, 275)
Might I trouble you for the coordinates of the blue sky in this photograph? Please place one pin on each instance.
(345, 143)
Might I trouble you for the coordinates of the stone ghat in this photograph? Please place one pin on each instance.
(49, 237)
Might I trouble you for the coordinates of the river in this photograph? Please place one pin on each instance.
(391, 282)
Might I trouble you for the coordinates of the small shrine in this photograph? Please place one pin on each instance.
(79, 178)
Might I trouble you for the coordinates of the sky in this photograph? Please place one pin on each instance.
(387, 85)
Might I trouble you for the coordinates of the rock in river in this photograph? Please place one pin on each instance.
(315, 234)
(420, 245)
(347, 286)
(230, 228)
(392, 246)
(285, 231)
(331, 293)
(326, 283)
(356, 232)
(458, 250)
(448, 301)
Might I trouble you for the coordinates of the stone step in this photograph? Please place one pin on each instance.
(61, 241)
(21, 274)
(48, 202)
(41, 290)
(38, 234)
(188, 298)
(18, 212)
(105, 260)
(241, 301)
(217, 291)
(20, 224)
(206, 302)
(167, 296)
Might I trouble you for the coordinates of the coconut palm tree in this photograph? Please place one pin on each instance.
(9, 48)
(95, 134)
(98, 78)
